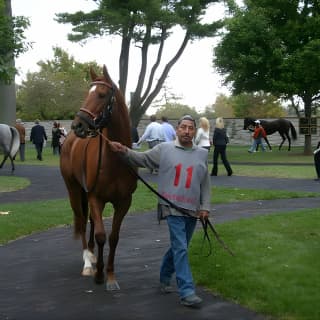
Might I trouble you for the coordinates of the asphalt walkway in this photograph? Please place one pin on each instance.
(40, 274)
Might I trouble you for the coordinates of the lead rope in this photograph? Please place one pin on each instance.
(205, 223)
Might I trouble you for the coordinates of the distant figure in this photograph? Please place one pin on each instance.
(63, 134)
(220, 140)
(22, 133)
(38, 136)
(168, 129)
(55, 143)
(317, 161)
(257, 136)
(153, 134)
(134, 135)
(203, 134)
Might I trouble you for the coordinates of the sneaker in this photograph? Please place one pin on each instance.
(191, 301)
(166, 288)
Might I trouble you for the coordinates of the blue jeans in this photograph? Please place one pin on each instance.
(255, 143)
(176, 258)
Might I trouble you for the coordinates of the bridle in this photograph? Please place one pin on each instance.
(98, 121)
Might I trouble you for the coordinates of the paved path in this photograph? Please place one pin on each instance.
(40, 274)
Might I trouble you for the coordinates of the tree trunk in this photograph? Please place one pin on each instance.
(307, 138)
(7, 91)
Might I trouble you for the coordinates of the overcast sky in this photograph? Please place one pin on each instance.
(193, 77)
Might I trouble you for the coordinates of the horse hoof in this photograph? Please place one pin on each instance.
(112, 285)
(87, 272)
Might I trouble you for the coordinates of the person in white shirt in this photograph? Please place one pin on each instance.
(153, 134)
(168, 130)
(202, 138)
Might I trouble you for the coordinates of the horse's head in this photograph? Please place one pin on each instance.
(97, 107)
(248, 124)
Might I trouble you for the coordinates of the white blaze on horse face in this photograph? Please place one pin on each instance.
(92, 89)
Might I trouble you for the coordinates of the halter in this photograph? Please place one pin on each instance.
(98, 121)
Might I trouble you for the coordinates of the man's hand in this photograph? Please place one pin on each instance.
(117, 147)
(203, 215)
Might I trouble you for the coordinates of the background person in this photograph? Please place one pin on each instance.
(22, 133)
(317, 161)
(153, 133)
(203, 134)
(168, 130)
(184, 179)
(55, 142)
(257, 136)
(38, 136)
(220, 140)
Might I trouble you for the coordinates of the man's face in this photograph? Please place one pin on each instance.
(185, 132)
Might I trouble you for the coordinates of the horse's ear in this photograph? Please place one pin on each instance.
(106, 73)
(93, 75)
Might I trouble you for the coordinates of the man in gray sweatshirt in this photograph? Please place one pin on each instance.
(184, 180)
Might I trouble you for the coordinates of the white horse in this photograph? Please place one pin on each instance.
(9, 143)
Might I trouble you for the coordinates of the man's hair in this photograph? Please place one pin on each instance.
(187, 117)
(153, 118)
(164, 119)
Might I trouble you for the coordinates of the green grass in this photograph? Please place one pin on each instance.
(276, 267)
(275, 270)
(12, 183)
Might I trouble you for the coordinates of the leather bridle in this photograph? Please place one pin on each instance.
(98, 121)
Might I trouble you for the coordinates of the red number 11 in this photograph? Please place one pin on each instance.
(178, 174)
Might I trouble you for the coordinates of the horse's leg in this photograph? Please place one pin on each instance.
(96, 209)
(12, 164)
(289, 141)
(79, 204)
(268, 143)
(3, 161)
(283, 140)
(120, 210)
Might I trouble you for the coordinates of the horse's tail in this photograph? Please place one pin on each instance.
(15, 142)
(293, 131)
(81, 218)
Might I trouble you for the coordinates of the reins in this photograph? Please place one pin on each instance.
(205, 223)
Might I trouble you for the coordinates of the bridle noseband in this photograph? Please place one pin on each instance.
(98, 121)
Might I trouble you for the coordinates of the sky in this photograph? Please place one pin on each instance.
(192, 78)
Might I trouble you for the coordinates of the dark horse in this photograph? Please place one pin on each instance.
(9, 143)
(94, 175)
(280, 125)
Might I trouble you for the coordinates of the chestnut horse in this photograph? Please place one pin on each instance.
(94, 175)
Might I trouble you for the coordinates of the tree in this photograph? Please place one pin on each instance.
(12, 44)
(143, 23)
(56, 91)
(274, 46)
(176, 111)
(256, 105)
(223, 107)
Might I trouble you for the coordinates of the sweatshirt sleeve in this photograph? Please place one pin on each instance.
(148, 159)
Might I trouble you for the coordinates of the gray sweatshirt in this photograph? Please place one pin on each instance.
(183, 175)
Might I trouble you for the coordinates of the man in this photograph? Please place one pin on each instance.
(37, 137)
(22, 133)
(153, 133)
(257, 136)
(184, 180)
(317, 161)
(168, 130)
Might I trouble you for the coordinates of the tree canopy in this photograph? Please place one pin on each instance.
(57, 90)
(143, 23)
(12, 41)
(273, 46)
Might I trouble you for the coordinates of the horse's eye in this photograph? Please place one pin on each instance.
(102, 95)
